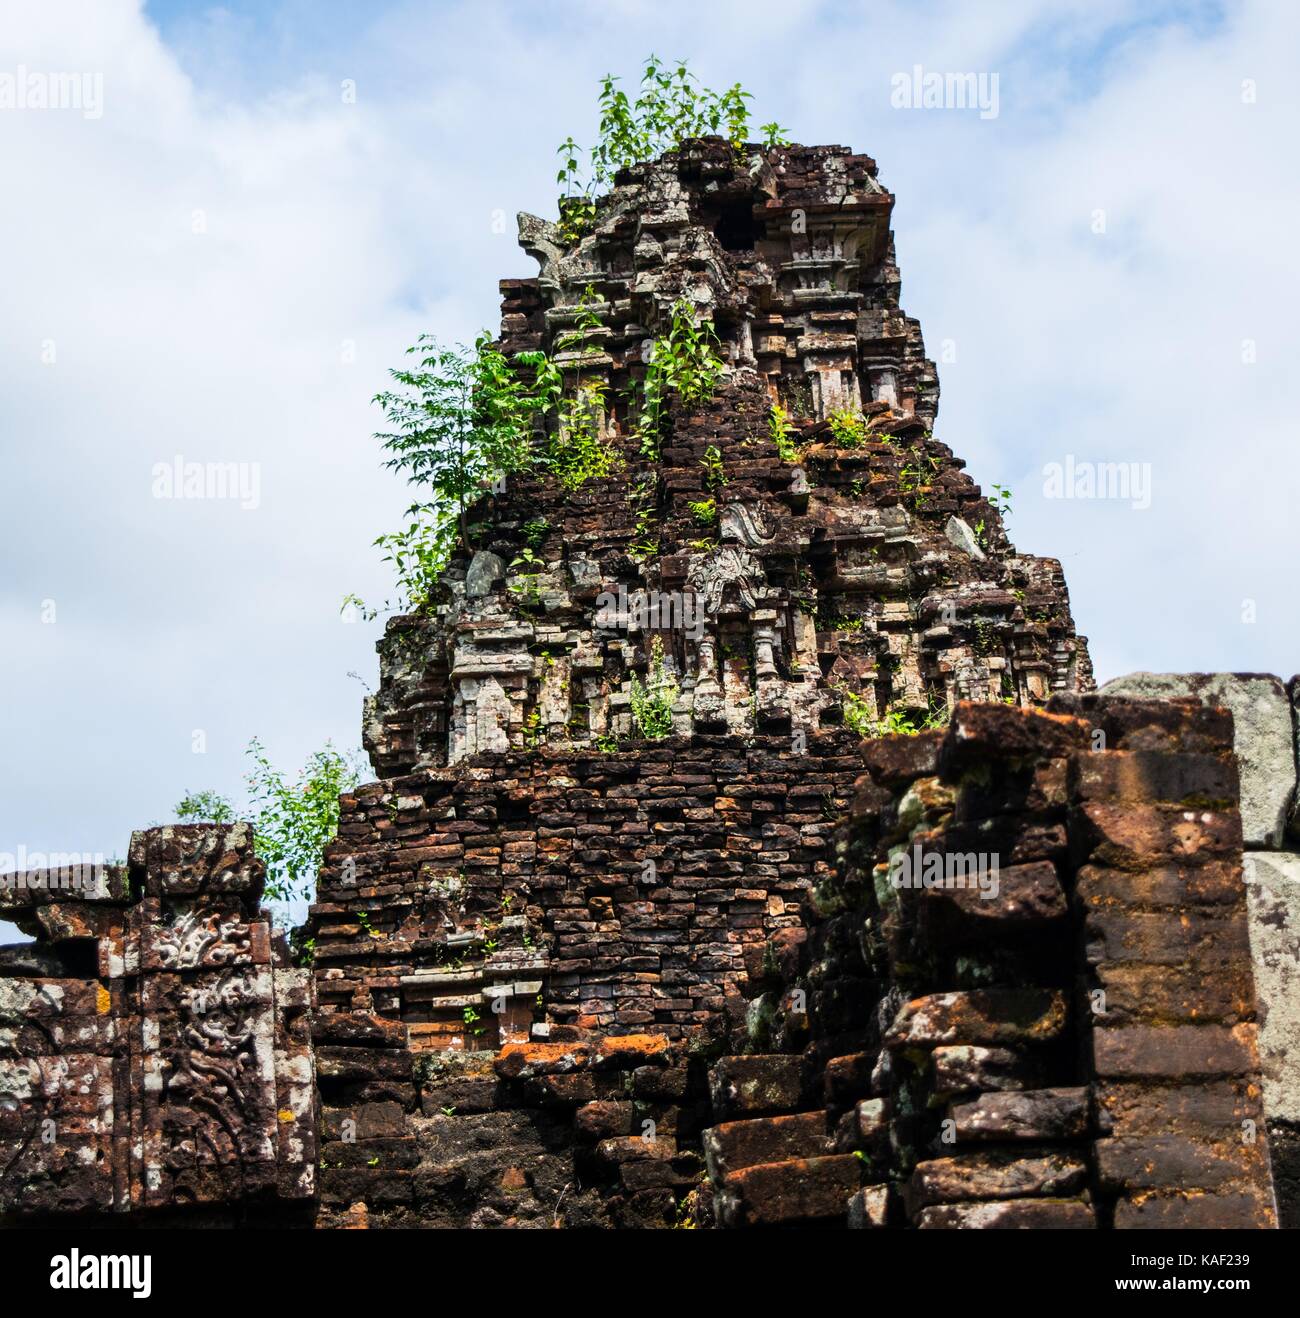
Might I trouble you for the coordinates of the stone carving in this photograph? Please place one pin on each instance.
(747, 524)
(181, 1075)
(194, 934)
(711, 574)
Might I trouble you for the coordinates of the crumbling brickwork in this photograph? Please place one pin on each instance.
(1057, 1030)
(1266, 735)
(874, 566)
(569, 974)
(154, 1049)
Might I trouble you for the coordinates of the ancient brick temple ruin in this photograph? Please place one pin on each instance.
(565, 975)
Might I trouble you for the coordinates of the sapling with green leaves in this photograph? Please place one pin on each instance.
(460, 421)
(781, 428)
(685, 361)
(295, 821)
(671, 106)
(205, 807)
(652, 702)
(848, 427)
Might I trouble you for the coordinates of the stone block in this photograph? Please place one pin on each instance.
(995, 1175)
(795, 1192)
(1273, 906)
(1264, 738)
(1010, 1214)
(1174, 1052)
(980, 1016)
(755, 1085)
(737, 1144)
(1038, 1114)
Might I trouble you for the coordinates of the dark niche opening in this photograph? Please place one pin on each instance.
(735, 227)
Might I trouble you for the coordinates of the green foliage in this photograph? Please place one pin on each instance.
(859, 717)
(915, 476)
(715, 477)
(671, 106)
(688, 358)
(1001, 499)
(534, 733)
(535, 532)
(781, 427)
(296, 821)
(460, 421)
(577, 450)
(205, 807)
(848, 428)
(302, 946)
(705, 511)
(652, 704)
(525, 569)
(641, 497)
(418, 553)
(686, 362)
(577, 219)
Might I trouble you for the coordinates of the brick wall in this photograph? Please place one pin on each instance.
(1074, 1046)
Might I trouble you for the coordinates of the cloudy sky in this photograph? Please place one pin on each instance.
(217, 258)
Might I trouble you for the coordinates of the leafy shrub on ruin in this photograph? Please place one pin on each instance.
(295, 821)
(781, 429)
(848, 428)
(460, 421)
(671, 106)
(652, 702)
(204, 807)
(687, 362)
(860, 718)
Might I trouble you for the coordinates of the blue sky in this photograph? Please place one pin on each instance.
(224, 264)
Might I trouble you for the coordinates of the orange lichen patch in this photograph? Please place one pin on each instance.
(623, 1052)
(524, 1060)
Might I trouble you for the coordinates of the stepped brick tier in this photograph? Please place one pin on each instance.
(566, 975)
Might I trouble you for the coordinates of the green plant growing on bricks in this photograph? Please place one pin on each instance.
(860, 718)
(460, 421)
(685, 361)
(292, 822)
(1000, 499)
(576, 450)
(848, 428)
(652, 703)
(671, 106)
(781, 428)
